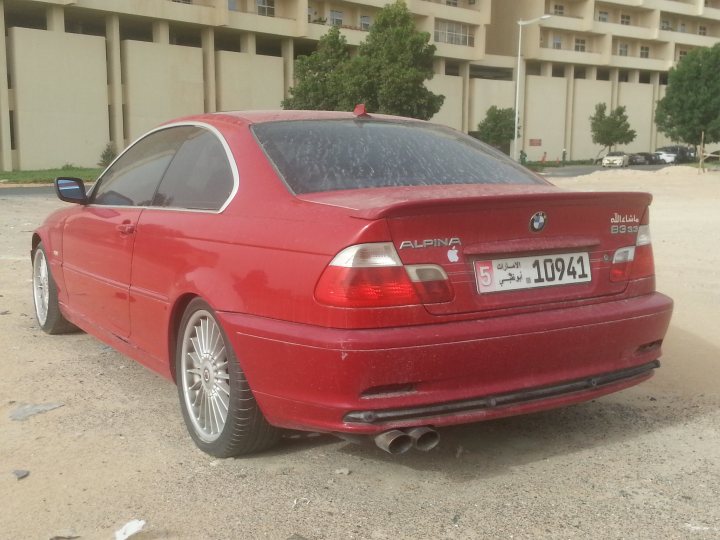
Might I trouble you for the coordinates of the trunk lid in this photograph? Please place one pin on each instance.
(473, 231)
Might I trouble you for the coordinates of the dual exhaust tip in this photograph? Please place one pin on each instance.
(398, 441)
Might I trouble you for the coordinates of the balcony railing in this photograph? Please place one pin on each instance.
(323, 22)
(206, 3)
(468, 4)
(567, 49)
(263, 11)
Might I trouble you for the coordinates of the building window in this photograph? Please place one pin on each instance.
(623, 49)
(365, 22)
(557, 42)
(682, 54)
(336, 18)
(559, 9)
(665, 25)
(453, 3)
(625, 19)
(580, 45)
(603, 16)
(265, 7)
(454, 33)
(681, 28)
(644, 51)
(233, 5)
(702, 30)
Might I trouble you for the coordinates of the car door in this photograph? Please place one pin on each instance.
(174, 241)
(98, 241)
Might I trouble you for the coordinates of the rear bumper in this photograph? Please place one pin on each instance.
(366, 381)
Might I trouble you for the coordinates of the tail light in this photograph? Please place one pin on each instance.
(372, 275)
(634, 262)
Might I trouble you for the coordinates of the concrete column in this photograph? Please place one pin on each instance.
(301, 10)
(288, 53)
(55, 18)
(247, 43)
(591, 72)
(465, 74)
(114, 68)
(439, 65)
(209, 82)
(5, 148)
(634, 76)
(615, 81)
(545, 69)
(655, 81)
(161, 32)
(569, 107)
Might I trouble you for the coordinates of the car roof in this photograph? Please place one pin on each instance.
(259, 117)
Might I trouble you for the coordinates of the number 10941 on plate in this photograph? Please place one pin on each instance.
(532, 272)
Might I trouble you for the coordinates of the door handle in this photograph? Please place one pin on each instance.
(126, 227)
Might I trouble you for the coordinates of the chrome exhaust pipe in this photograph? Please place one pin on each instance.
(424, 438)
(394, 441)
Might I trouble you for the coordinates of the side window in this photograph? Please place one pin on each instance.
(134, 177)
(199, 177)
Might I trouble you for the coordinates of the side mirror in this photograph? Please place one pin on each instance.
(71, 190)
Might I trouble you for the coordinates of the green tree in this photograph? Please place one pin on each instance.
(610, 129)
(321, 75)
(497, 128)
(388, 74)
(691, 104)
(393, 63)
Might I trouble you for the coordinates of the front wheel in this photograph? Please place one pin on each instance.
(45, 296)
(218, 406)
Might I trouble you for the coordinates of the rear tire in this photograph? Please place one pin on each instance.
(45, 296)
(218, 407)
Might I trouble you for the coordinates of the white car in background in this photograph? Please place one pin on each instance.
(616, 159)
(666, 157)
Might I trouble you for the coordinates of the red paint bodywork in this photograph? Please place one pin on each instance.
(258, 261)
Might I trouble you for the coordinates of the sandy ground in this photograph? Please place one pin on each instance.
(644, 463)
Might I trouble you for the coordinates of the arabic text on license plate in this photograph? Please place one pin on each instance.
(531, 272)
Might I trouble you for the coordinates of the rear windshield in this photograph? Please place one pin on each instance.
(328, 155)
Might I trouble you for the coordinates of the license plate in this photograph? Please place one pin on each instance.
(532, 272)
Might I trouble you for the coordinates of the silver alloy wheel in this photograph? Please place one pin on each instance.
(41, 286)
(205, 378)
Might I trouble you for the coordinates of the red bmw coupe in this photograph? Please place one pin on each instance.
(354, 274)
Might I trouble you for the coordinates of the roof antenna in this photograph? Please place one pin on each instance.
(360, 111)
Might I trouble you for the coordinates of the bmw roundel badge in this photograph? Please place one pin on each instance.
(538, 221)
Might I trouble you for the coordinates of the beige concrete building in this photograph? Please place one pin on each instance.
(82, 73)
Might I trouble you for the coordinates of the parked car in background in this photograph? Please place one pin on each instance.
(680, 154)
(350, 273)
(637, 159)
(643, 158)
(616, 159)
(665, 157)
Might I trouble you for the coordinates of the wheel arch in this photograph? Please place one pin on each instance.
(176, 314)
(35, 242)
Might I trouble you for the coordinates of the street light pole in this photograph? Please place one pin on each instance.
(520, 23)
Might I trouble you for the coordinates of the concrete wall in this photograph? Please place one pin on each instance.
(544, 116)
(588, 93)
(248, 81)
(161, 82)
(485, 93)
(638, 101)
(59, 84)
(451, 113)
